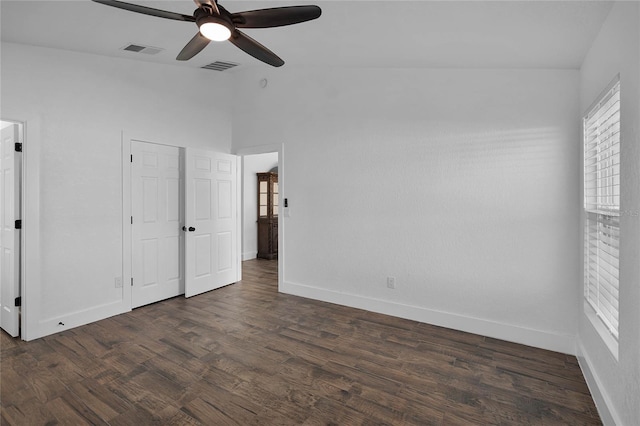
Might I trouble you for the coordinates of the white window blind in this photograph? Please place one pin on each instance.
(602, 206)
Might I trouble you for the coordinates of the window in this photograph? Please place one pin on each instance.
(601, 128)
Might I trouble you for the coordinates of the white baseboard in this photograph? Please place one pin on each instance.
(76, 319)
(607, 414)
(249, 255)
(526, 336)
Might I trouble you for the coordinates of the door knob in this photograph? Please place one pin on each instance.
(191, 229)
(184, 228)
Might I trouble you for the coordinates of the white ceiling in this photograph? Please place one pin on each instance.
(361, 33)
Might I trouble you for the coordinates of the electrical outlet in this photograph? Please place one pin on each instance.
(391, 282)
(118, 281)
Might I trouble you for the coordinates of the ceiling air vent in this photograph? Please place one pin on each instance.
(220, 66)
(137, 48)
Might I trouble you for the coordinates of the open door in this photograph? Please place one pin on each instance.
(10, 184)
(212, 222)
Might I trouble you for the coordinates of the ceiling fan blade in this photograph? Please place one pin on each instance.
(255, 49)
(147, 10)
(195, 45)
(275, 17)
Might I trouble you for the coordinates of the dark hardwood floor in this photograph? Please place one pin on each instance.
(247, 355)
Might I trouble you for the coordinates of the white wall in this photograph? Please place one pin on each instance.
(615, 384)
(251, 165)
(76, 106)
(460, 183)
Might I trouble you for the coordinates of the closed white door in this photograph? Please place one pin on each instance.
(10, 172)
(157, 206)
(212, 247)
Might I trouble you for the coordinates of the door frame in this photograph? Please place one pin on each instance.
(11, 188)
(266, 149)
(127, 212)
(30, 233)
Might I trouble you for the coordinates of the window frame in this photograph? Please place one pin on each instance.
(601, 206)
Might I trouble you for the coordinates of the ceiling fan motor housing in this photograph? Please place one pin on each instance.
(206, 14)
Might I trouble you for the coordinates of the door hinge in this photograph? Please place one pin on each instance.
(18, 224)
(132, 158)
(132, 220)
(131, 281)
(18, 147)
(18, 301)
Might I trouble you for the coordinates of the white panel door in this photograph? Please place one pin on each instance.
(10, 172)
(157, 201)
(212, 248)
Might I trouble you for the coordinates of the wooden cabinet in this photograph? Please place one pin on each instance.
(268, 199)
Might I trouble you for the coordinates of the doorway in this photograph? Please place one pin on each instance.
(11, 140)
(253, 164)
(184, 224)
(254, 160)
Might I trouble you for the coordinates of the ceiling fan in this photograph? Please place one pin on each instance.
(217, 24)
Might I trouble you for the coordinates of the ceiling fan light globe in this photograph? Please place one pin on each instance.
(215, 31)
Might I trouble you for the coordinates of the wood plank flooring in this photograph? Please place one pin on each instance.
(247, 355)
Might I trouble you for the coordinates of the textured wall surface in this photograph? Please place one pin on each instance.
(617, 51)
(82, 104)
(461, 184)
